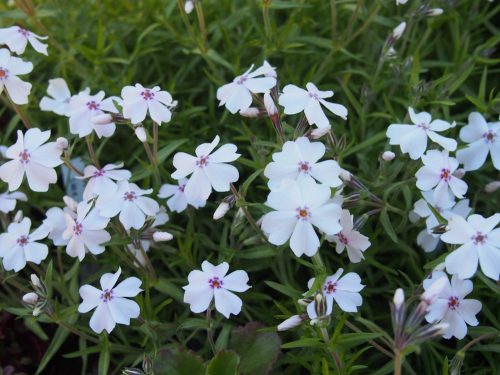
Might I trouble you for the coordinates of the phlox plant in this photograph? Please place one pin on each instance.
(231, 187)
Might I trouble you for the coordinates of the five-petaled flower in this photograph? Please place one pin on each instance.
(17, 38)
(138, 100)
(101, 181)
(237, 95)
(58, 102)
(413, 138)
(111, 302)
(451, 307)
(19, 245)
(482, 138)
(298, 206)
(207, 169)
(480, 242)
(32, 157)
(177, 199)
(213, 283)
(10, 68)
(296, 100)
(299, 159)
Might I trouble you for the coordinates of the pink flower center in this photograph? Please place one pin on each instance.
(107, 295)
(3, 73)
(147, 94)
(23, 240)
(99, 173)
(303, 213)
(479, 238)
(445, 174)
(313, 95)
(129, 196)
(92, 105)
(24, 156)
(304, 167)
(215, 283)
(453, 303)
(330, 287)
(241, 79)
(24, 32)
(202, 161)
(423, 126)
(182, 187)
(489, 136)
(77, 228)
(343, 239)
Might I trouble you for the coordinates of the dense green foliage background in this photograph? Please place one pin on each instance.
(446, 65)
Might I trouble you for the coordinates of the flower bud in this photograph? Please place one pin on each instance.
(399, 298)
(162, 236)
(102, 119)
(319, 132)
(270, 106)
(221, 210)
(492, 187)
(70, 202)
(147, 365)
(290, 323)
(251, 112)
(18, 216)
(30, 298)
(459, 173)
(132, 371)
(141, 134)
(188, 6)
(433, 12)
(35, 281)
(399, 30)
(62, 143)
(345, 175)
(388, 155)
(432, 293)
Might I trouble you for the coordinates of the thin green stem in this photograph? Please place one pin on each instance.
(209, 330)
(397, 363)
(90, 147)
(201, 24)
(19, 112)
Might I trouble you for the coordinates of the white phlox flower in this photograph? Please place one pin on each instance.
(8, 200)
(437, 173)
(350, 239)
(55, 221)
(482, 138)
(480, 242)
(413, 138)
(296, 100)
(344, 291)
(138, 101)
(58, 101)
(299, 159)
(212, 282)
(32, 157)
(237, 95)
(85, 232)
(130, 203)
(83, 107)
(177, 199)
(17, 38)
(102, 181)
(209, 170)
(451, 307)
(111, 303)
(19, 246)
(300, 205)
(10, 68)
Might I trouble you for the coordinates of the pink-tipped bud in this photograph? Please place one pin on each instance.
(30, 298)
(251, 112)
(399, 298)
(399, 30)
(62, 143)
(102, 119)
(388, 155)
(319, 132)
(70, 203)
(345, 175)
(270, 106)
(434, 290)
(141, 134)
(492, 187)
(162, 236)
(221, 210)
(188, 6)
(290, 323)
(459, 173)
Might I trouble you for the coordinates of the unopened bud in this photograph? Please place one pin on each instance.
(162, 236)
(132, 371)
(251, 112)
(221, 210)
(388, 155)
(62, 143)
(290, 323)
(270, 106)
(432, 293)
(35, 281)
(492, 186)
(399, 298)
(30, 298)
(147, 365)
(188, 6)
(70, 202)
(18, 216)
(304, 301)
(141, 134)
(459, 173)
(399, 30)
(433, 12)
(391, 52)
(320, 304)
(102, 119)
(345, 175)
(319, 132)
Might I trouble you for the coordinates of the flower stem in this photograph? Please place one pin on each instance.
(19, 112)
(201, 23)
(397, 363)
(209, 330)
(155, 142)
(335, 356)
(90, 147)
(153, 162)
